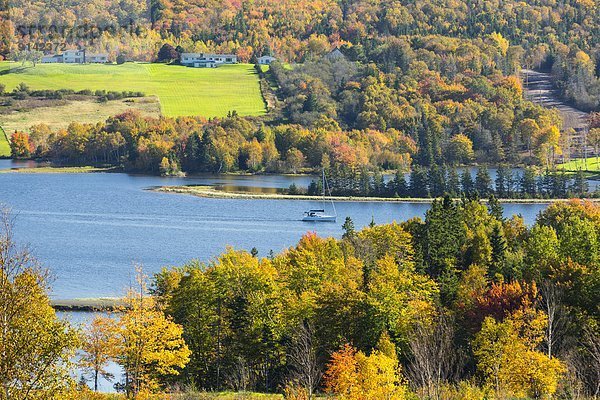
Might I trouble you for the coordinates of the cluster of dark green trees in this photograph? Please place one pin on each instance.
(23, 92)
(486, 289)
(438, 181)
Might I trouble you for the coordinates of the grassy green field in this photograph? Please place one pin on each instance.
(83, 111)
(210, 92)
(592, 165)
(4, 145)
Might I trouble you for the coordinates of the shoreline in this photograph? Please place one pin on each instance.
(49, 169)
(87, 305)
(211, 192)
(58, 170)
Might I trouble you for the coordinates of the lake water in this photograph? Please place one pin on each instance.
(90, 229)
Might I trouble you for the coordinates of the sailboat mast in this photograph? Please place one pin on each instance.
(326, 187)
(323, 184)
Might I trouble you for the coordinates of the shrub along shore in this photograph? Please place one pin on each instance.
(88, 304)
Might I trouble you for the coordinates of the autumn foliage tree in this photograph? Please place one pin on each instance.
(167, 53)
(354, 375)
(20, 145)
(501, 300)
(149, 345)
(36, 346)
(508, 359)
(99, 346)
(460, 149)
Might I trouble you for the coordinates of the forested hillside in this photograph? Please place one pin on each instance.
(561, 34)
(426, 83)
(465, 292)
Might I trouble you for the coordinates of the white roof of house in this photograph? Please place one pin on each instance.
(201, 55)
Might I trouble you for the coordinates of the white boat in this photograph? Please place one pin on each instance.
(319, 215)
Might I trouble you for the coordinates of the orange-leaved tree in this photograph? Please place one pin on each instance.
(354, 375)
(20, 145)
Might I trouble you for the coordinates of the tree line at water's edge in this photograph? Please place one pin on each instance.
(461, 304)
(438, 181)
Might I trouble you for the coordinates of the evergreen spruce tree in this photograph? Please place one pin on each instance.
(378, 184)
(546, 183)
(418, 182)
(483, 182)
(511, 182)
(443, 238)
(453, 183)
(580, 184)
(365, 186)
(398, 186)
(501, 181)
(499, 249)
(466, 182)
(437, 181)
(194, 154)
(348, 227)
(425, 154)
(563, 181)
(495, 208)
(528, 183)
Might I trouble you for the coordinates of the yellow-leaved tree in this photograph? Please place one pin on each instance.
(150, 345)
(507, 357)
(353, 375)
(99, 346)
(35, 346)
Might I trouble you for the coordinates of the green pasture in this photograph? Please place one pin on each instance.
(209, 92)
(592, 164)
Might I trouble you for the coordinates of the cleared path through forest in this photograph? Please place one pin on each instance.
(540, 90)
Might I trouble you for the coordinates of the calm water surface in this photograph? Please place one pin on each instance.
(90, 229)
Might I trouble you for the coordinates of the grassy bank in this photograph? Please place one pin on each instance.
(58, 170)
(591, 164)
(85, 111)
(212, 192)
(209, 92)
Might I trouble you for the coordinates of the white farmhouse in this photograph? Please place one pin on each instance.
(53, 58)
(76, 57)
(100, 58)
(266, 60)
(73, 56)
(206, 60)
